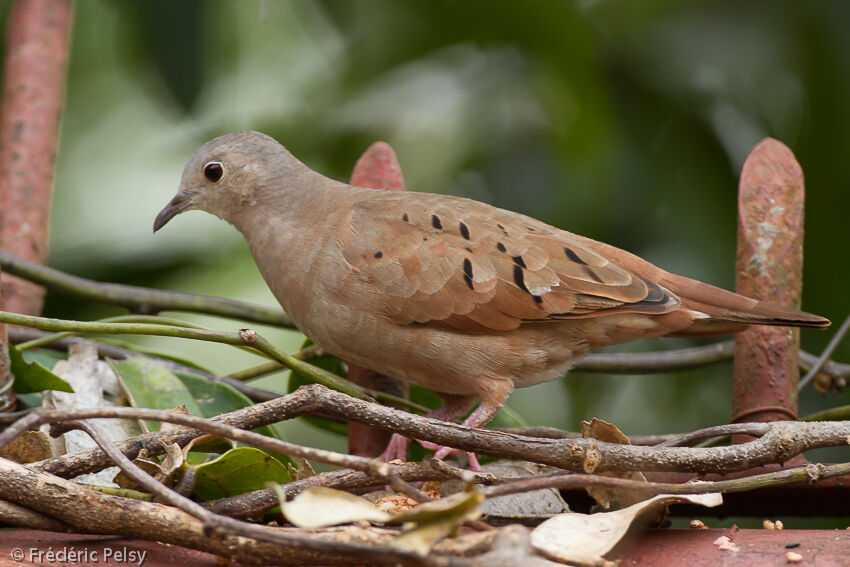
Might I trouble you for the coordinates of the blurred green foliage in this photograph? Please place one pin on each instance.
(623, 121)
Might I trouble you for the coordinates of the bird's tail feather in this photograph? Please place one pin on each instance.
(727, 312)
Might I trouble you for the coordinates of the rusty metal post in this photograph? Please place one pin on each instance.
(377, 168)
(769, 267)
(37, 47)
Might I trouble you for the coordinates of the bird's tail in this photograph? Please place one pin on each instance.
(729, 312)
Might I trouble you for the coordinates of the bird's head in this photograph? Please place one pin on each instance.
(231, 173)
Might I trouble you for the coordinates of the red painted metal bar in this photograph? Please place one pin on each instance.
(37, 46)
(377, 168)
(769, 267)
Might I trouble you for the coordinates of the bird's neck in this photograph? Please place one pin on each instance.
(281, 230)
(288, 209)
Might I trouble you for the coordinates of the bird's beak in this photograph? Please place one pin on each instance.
(181, 201)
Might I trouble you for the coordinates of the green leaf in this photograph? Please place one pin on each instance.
(214, 398)
(150, 385)
(33, 376)
(331, 364)
(156, 352)
(236, 472)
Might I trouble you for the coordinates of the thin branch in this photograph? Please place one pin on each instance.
(245, 337)
(716, 431)
(375, 467)
(20, 334)
(252, 504)
(568, 481)
(826, 354)
(140, 299)
(306, 354)
(154, 443)
(780, 441)
(653, 362)
(96, 513)
(840, 413)
(41, 416)
(23, 517)
(556, 433)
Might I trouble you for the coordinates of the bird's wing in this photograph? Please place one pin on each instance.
(440, 260)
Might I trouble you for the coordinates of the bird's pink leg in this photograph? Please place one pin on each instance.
(479, 418)
(452, 408)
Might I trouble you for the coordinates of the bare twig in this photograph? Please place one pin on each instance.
(8, 400)
(555, 433)
(23, 517)
(20, 334)
(254, 503)
(840, 413)
(827, 353)
(245, 337)
(39, 417)
(653, 362)
(714, 432)
(779, 441)
(98, 513)
(808, 473)
(140, 299)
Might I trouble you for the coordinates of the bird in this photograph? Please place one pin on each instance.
(459, 296)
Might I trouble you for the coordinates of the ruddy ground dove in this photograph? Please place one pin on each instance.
(455, 295)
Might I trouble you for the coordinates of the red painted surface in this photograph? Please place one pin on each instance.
(377, 168)
(37, 45)
(769, 267)
(656, 547)
(758, 548)
(30, 542)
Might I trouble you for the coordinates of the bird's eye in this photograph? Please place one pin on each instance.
(214, 171)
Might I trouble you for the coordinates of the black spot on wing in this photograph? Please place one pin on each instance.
(519, 278)
(573, 256)
(405, 218)
(435, 222)
(379, 254)
(467, 273)
(519, 261)
(501, 247)
(537, 299)
(589, 271)
(464, 231)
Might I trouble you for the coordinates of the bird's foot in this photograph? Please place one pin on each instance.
(396, 449)
(441, 452)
